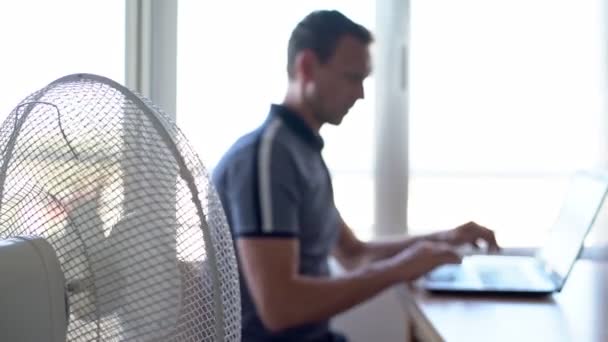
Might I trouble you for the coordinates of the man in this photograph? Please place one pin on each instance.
(278, 198)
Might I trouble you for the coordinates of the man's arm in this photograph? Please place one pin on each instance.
(284, 298)
(353, 253)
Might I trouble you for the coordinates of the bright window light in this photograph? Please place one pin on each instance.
(44, 40)
(506, 101)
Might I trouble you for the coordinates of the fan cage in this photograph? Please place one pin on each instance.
(112, 183)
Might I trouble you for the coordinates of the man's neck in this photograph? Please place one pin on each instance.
(295, 103)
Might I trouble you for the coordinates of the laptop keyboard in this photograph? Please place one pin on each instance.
(502, 275)
(445, 273)
(492, 274)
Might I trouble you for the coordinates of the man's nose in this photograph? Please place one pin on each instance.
(360, 92)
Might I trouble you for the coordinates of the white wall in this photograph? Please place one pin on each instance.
(380, 319)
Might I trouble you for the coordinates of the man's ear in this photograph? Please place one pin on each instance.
(306, 64)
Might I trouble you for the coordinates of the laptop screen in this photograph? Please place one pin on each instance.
(580, 207)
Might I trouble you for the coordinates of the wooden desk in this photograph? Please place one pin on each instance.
(578, 313)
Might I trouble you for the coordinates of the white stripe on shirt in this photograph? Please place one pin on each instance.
(264, 175)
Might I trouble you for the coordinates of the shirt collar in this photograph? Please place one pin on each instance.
(294, 122)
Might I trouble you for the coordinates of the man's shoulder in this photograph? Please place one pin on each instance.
(245, 143)
(277, 136)
(238, 153)
(270, 144)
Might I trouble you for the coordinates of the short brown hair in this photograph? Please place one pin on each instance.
(320, 31)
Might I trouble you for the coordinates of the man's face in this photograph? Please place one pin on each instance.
(338, 84)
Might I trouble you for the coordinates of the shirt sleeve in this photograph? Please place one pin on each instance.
(264, 198)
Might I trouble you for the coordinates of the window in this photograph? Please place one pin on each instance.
(507, 100)
(232, 65)
(44, 40)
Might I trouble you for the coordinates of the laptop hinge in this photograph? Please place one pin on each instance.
(555, 278)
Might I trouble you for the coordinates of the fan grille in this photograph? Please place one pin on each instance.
(116, 188)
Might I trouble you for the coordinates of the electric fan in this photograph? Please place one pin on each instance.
(102, 197)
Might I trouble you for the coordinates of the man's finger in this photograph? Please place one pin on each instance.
(489, 236)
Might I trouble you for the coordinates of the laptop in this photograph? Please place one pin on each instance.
(541, 274)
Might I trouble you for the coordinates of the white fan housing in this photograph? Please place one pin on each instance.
(122, 198)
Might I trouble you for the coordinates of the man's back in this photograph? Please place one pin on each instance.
(273, 183)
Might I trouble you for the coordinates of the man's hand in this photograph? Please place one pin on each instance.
(423, 256)
(469, 234)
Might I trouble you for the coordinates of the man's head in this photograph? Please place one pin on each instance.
(328, 59)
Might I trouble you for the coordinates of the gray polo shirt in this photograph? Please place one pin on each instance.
(273, 183)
